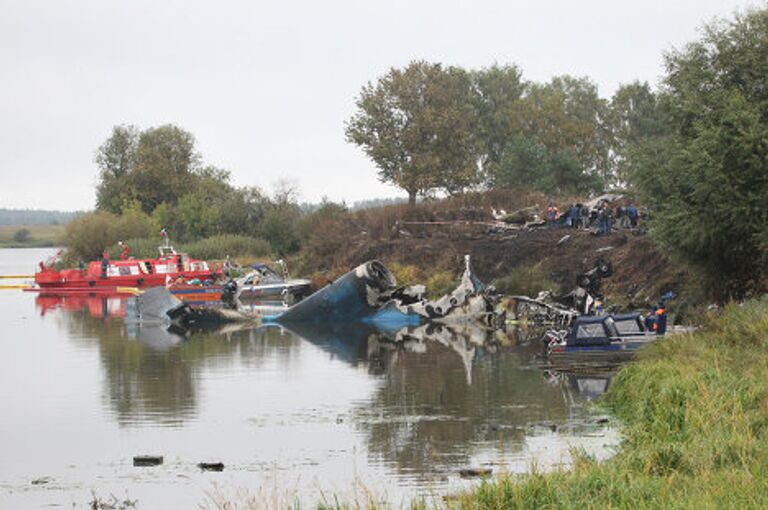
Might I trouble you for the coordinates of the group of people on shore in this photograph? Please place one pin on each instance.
(604, 217)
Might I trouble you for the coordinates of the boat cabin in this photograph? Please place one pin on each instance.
(630, 324)
(592, 330)
(169, 262)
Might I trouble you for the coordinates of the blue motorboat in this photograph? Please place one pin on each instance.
(603, 337)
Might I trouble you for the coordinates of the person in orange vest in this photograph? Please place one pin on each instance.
(661, 319)
(552, 214)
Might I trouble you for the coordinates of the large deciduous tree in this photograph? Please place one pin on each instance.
(166, 162)
(558, 138)
(707, 180)
(154, 166)
(498, 90)
(116, 159)
(635, 120)
(417, 124)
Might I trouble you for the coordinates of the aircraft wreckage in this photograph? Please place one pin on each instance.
(369, 294)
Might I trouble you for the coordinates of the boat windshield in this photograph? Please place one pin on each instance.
(166, 251)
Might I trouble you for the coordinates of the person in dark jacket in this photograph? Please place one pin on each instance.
(572, 216)
(104, 263)
(650, 320)
(633, 215)
(603, 220)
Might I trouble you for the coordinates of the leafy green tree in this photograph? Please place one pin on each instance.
(635, 118)
(707, 179)
(498, 90)
(166, 161)
(241, 210)
(527, 163)
(87, 236)
(417, 125)
(567, 114)
(523, 164)
(557, 138)
(116, 159)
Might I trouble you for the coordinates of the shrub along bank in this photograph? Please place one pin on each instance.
(695, 418)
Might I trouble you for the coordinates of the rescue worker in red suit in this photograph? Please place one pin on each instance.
(126, 251)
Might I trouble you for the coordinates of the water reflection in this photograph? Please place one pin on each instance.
(443, 392)
(150, 370)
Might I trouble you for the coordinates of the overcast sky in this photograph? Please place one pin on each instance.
(265, 87)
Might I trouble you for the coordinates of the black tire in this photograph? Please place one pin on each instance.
(604, 269)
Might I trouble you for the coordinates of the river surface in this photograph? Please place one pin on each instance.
(293, 418)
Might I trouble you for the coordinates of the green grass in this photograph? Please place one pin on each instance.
(39, 236)
(526, 281)
(695, 415)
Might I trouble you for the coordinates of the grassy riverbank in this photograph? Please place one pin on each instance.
(31, 236)
(695, 415)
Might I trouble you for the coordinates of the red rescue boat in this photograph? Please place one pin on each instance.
(111, 274)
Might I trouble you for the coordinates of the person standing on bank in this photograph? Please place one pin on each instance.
(661, 319)
(552, 214)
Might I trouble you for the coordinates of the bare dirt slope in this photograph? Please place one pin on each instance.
(641, 274)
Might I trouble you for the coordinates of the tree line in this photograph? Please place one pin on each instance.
(36, 217)
(430, 127)
(157, 175)
(695, 150)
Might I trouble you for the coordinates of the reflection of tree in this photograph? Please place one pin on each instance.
(150, 374)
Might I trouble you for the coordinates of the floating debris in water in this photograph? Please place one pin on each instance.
(147, 460)
(211, 466)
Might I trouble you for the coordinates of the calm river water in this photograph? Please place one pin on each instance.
(291, 417)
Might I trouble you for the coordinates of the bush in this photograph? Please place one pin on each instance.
(218, 247)
(280, 227)
(525, 281)
(407, 274)
(21, 235)
(440, 283)
(142, 248)
(89, 235)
